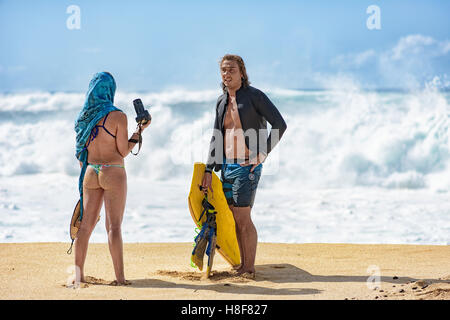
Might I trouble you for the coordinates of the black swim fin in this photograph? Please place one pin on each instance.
(212, 251)
(199, 250)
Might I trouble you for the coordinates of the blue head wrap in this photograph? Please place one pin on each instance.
(99, 102)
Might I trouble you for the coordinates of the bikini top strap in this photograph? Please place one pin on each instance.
(104, 119)
(103, 125)
(92, 136)
(94, 132)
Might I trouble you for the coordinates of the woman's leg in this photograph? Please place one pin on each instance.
(114, 182)
(92, 204)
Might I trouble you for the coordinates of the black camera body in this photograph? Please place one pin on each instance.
(143, 116)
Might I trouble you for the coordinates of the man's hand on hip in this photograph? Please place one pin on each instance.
(254, 162)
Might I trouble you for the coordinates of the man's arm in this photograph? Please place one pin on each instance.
(267, 109)
(210, 163)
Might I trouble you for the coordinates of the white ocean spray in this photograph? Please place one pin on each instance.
(354, 166)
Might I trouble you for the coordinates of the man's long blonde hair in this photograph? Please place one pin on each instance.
(241, 64)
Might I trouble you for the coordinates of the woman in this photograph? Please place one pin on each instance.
(102, 145)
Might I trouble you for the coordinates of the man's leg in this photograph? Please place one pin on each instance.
(247, 238)
(240, 189)
(238, 240)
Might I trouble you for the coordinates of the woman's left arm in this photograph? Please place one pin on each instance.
(124, 146)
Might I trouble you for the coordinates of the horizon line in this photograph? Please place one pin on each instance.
(311, 89)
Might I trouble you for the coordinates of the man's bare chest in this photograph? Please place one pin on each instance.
(232, 119)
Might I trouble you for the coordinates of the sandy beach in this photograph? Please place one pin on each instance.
(284, 271)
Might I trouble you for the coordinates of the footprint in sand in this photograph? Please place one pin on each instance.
(94, 281)
(195, 276)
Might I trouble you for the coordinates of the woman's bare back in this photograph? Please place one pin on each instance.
(104, 148)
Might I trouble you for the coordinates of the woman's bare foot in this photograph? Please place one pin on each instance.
(76, 284)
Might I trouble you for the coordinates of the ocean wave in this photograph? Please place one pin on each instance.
(334, 138)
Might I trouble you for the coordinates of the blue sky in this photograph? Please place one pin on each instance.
(159, 45)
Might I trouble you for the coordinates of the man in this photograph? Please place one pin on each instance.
(238, 148)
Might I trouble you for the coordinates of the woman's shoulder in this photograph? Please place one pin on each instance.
(117, 116)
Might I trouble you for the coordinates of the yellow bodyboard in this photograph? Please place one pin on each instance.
(227, 244)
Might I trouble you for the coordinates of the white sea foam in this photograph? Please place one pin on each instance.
(373, 163)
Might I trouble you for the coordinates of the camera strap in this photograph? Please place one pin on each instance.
(137, 141)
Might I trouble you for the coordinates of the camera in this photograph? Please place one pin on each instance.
(142, 115)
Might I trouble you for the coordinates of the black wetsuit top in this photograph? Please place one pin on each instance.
(255, 109)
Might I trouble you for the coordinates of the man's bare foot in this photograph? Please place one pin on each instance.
(117, 283)
(247, 275)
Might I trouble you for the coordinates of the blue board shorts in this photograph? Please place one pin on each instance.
(239, 184)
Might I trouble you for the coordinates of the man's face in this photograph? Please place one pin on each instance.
(231, 74)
